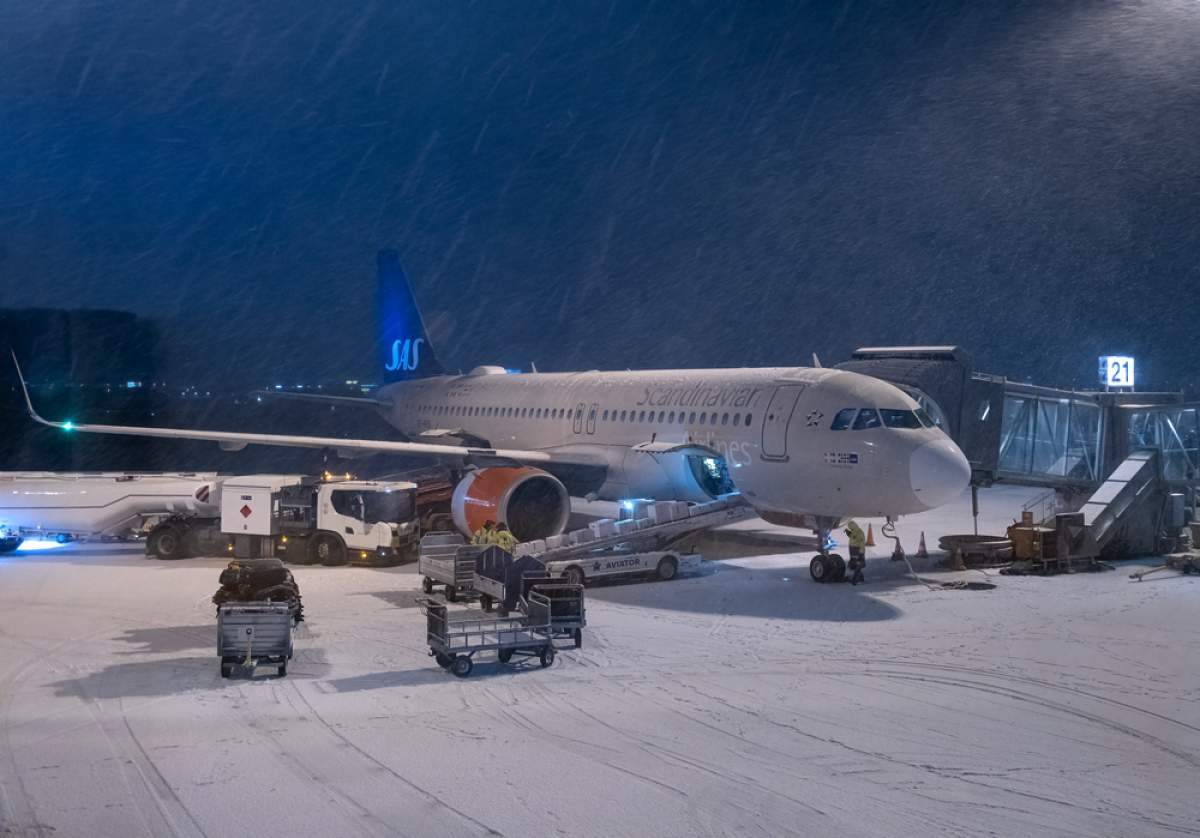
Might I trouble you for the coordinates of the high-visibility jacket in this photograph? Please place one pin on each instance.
(505, 540)
(857, 537)
(483, 535)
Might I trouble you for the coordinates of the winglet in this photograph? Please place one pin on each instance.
(28, 401)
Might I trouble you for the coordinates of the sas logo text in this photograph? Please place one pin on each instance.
(406, 355)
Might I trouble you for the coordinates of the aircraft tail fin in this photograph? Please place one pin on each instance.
(403, 344)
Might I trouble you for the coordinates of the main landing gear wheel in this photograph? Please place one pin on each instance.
(485, 602)
(819, 568)
(461, 666)
(451, 593)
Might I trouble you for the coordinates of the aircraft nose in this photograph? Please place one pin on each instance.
(938, 473)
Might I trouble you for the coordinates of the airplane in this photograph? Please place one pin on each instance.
(806, 447)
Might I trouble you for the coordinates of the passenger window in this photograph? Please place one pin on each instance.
(703, 418)
(622, 415)
(737, 419)
(641, 416)
(661, 415)
(692, 418)
(749, 419)
(867, 419)
(604, 416)
(671, 419)
(843, 419)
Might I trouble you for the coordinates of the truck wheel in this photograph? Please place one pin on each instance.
(504, 655)
(461, 666)
(329, 550)
(578, 638)
(574, 575)
(226, 670)
(427, 585)
(667, 568)
(451, 594)
(166, 542)
(547, 656)
(485, 602)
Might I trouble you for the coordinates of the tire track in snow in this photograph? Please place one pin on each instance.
(428, 795)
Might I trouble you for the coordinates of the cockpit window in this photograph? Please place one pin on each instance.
(867, 418)
(925, 418)
(843, 419)
(900, 418)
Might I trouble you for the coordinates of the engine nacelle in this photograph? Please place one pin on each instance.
(533, 503)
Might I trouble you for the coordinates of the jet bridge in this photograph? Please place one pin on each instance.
(1079, 444)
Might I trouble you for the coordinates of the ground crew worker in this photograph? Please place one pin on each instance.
(485, 534)
(858, 551)
(504, 539)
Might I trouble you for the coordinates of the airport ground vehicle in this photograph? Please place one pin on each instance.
(251, 633)
(612, 564)
(64, 506)
(304, 520)
(455, 642)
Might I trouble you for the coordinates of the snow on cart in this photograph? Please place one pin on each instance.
(454, 641)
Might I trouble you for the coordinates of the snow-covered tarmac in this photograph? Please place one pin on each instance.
(744, 701)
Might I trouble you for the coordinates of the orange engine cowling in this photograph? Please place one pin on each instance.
(533, 503)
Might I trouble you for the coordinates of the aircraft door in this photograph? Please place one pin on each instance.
(579, 417)
(591, 420)
(777, 420)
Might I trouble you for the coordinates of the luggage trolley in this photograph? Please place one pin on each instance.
(447, 560)
(507, 582)
(455, 642)
(250, 633)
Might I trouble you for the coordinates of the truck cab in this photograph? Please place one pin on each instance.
(372, 521)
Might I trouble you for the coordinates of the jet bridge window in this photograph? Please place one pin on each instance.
(867, 419)
(900, 418)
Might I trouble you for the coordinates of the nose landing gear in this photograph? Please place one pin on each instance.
(826, 566)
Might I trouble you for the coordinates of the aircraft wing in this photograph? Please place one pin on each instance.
(234, 441)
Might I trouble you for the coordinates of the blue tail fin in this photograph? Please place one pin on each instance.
(404, 348)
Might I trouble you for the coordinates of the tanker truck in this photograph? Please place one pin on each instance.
(64, 506)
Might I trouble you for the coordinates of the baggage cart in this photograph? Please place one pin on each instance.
(446, 560)
(502, 579)
(250, 633)
(567, 609)
(454, 642)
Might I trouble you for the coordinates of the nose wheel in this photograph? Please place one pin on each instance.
(827, 567)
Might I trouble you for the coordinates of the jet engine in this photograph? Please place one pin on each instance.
(533, 503)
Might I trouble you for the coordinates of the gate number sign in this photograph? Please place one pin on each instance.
(1116, 371)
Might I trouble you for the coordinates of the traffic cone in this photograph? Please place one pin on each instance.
(922, 553)
(898, 553)
(870, 536)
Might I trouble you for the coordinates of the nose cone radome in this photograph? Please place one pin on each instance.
(938, 473)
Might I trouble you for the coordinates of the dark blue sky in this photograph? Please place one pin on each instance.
(612, 184)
